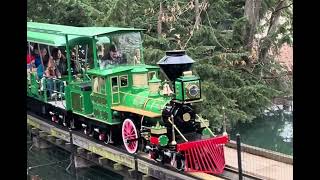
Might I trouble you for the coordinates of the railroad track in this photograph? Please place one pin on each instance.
(145, 165)
(232, 173)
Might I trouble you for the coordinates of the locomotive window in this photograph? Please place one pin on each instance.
(151, 74)
(123, 81)
(114, 84)
(99, 85)
(95, 84)
(114, 81)
(102, 85)
(129, 45)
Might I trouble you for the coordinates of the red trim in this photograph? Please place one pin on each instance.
(214, 140)
(205, 155)
(154, 140)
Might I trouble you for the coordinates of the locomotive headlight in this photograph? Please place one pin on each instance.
(193, 90)
(186, 117)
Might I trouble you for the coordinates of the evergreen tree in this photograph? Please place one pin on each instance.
(239, 76)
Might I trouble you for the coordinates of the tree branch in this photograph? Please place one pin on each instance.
(192, 31)
(282, 8)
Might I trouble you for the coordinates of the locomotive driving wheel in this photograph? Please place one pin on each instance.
(130, 136)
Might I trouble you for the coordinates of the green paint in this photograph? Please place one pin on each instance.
(142, 100)
(178, 91)
(94, 47)
(206, 132)
(139, 70)
(87, 102)
(80, 99)
(187, 78)
(154, 79)
(109, 102)
(163, 140)
(54, 29)
(181, 87)
(34, 84)
(45, 98)
(68, 97)
(109, 71)
(68, 60)
(50, 39)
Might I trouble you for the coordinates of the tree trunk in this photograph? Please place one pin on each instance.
(159, 28)
(251, 11)
(197, 13)
(273, 25)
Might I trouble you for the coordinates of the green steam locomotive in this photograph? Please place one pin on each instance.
(109, 93)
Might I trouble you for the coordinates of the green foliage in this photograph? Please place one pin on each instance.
(152, 56)
(243, 98)
(217, 46)
(159, 43)
(238, 31)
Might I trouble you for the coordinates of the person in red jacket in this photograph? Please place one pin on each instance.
(30, 58)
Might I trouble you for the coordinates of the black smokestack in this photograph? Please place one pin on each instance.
(175, 63)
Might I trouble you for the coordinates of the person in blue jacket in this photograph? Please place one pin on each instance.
(40, 67)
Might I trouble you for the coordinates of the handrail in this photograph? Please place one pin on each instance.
(202, 121)
(175, 127)
(55, 89)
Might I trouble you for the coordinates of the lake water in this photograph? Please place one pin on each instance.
(51, 164)
(273, 131)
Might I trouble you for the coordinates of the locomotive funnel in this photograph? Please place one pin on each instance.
(175, 63)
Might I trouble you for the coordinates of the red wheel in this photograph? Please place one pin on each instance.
(129, 131)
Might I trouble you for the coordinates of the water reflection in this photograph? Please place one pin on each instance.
(43, 162)
(287, 132)
(273, 131)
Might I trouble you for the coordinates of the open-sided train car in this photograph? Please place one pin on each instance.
(124, 101)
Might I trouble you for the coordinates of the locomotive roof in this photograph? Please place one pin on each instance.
(53, 34)
(117, 69)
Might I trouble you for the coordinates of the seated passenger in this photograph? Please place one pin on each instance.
(38, 62)
(137, 56)
(30, 58)
(60, 61)
(39, 68)
(100, 52)
(51, 73)
(44, 57)
(114, 57)
(101, 57)
(30, 62)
